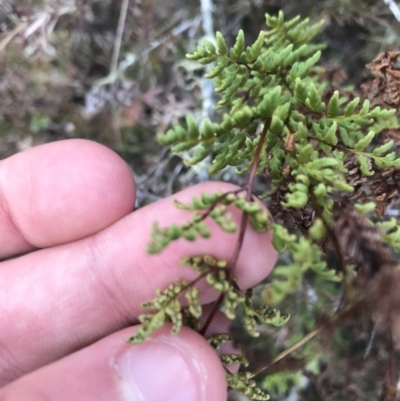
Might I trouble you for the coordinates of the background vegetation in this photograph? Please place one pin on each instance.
(115, 72)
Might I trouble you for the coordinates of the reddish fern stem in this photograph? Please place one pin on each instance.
(242, 229)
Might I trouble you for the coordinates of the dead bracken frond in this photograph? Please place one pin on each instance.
(360, 243)
(384, 88)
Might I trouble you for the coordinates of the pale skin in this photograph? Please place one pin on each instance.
(71, 292)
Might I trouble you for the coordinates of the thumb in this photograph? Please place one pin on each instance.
(165, 367)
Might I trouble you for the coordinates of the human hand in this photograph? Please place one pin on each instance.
(80, 272)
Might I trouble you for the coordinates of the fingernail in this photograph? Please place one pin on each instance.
(159, 369)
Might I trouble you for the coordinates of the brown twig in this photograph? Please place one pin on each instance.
(287, 351)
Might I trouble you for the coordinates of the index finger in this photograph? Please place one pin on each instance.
(60, 192)
(68, 296)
